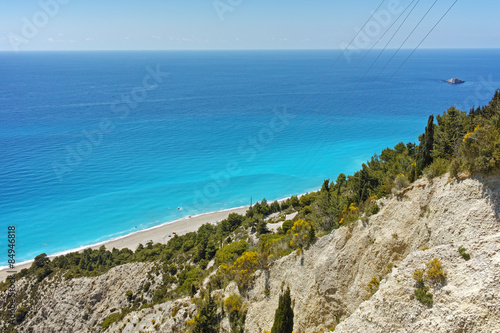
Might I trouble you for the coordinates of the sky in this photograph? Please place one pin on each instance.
(244, 24)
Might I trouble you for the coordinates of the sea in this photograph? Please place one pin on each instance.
(98, 145)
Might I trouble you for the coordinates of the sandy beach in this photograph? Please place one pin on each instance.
(159, 234)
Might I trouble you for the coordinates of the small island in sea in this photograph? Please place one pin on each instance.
(454, 81)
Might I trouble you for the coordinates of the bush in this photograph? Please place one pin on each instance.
(109, 320)
(303, 234)
(20, 314)
(244, 267)
(418, 276)
(423, 295)
(463, 253)
(287, 225)
(401, 182)
(235, 308)
(437, 168)
(231, 251)
(130, 295)
(373, 285)
(374, 209)
(480, 149)
(434, 272)
(207, 320)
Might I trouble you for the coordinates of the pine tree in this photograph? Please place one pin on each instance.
(207, 321)
(283, 318)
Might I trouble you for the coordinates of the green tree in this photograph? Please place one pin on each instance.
(207, 320)
(283, 317)
(40, 261)
(262, 228)
(294, 201)
(449, 133)
(326, 186)
(426, 146)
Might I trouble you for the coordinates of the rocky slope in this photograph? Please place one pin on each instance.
(328, 282)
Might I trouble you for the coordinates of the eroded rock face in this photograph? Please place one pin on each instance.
(467, 302)
(329, 281)
(79, 304)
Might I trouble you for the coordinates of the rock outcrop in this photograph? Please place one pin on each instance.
(455, 81)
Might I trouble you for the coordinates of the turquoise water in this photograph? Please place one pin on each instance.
(89, 154)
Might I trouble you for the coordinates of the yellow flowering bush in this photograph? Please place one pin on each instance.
(244, 267)
(303, 234)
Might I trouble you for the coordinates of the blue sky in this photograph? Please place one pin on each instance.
(238, 24)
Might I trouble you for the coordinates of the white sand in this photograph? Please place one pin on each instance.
(160, 234)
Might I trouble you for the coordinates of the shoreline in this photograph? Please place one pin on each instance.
(157, 234)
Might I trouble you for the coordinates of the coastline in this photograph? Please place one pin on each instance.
(157, 234)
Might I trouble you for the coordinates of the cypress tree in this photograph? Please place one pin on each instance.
(283, 318)
(426, 146)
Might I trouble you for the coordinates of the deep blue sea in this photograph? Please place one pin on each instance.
(95, 144)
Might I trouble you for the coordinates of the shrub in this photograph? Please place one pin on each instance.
(233, 304)
(235, 308)
(437, 168)
(418, 276)
(463, 253)
(389, 267)
(373, 209)
(423, 295)
(20, 314)
(207, 320)
(130, 295)
(287, 225)
(373, 285)
(231, 251)
(434, 272)
(109, 320)
(244, 267)
(480, 149)
(401, 182)
(303, 234)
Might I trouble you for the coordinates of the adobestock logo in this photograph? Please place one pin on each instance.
(381, 19)
(248, 150)
(485, 88)
(224, 6)
(121, 108)
(31, 27)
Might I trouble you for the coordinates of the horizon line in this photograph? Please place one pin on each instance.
(232, 50)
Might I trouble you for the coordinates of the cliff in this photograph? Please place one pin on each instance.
(427, 220)
(328, 282)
